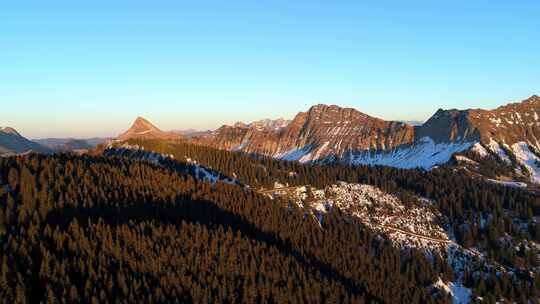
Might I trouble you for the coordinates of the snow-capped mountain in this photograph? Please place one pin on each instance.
(508, 134)
(11, 142)
(143, 129)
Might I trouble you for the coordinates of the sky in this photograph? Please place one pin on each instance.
(74, 69)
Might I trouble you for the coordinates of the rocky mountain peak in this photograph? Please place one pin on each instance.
(9, 130)
(142, 123)
(448, 126)
(144, 129)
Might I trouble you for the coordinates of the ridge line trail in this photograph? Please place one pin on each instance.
(277, 190)
(414, 234)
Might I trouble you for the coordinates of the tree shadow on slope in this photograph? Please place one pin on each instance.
(205, 213)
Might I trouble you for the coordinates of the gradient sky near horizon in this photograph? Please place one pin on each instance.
(69, 68)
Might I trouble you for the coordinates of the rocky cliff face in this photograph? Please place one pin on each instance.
(318, 133)
(509, 134)
(509, 124)
(143, 129)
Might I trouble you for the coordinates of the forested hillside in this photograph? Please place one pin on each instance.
(500, 222)
(153, 227)
(95, 229)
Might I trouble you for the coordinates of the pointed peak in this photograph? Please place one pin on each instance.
(143, 128)
(141, 119)
(143, 123)
(9, 130)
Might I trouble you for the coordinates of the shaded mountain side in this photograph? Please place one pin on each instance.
(11, 142)
(70, 144)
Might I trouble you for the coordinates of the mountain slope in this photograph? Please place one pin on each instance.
(11, 142)
(442, 210)
(320, 132)
(70, 144)
(508, 134)
(143, 129)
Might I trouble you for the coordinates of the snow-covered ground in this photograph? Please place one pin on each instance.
(464, 159)
(527, 159)
(494, 147)
(508, 183)
(425, 154)
(459, 293)
(408, 227)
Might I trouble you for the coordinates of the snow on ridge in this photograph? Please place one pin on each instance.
(496, 148)
(508, 183)
(480, 150)
(464, 159)
(425, 154)
(527, 159)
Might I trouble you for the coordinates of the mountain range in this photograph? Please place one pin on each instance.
(507, 135)
(462, 229)
(70, 144)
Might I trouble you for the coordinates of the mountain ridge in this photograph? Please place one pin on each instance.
(12, 142)
(329, 133)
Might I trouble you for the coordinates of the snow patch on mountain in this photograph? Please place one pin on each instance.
(464, 159)
(528, 159)
(294, 154)
(480, 150)
(496, 148)
(508, 183)
(459, 293)
(425, 154)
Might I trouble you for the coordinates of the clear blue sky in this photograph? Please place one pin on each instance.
(72, 69)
